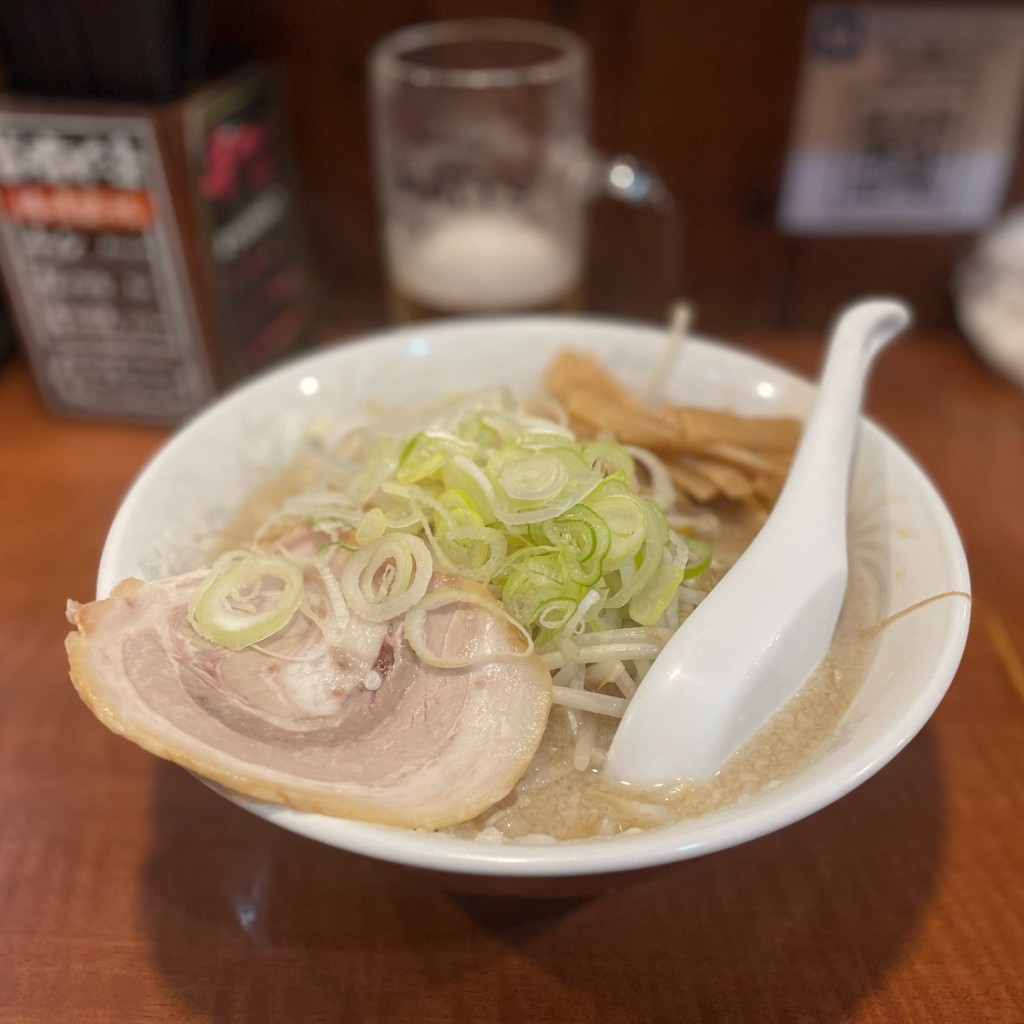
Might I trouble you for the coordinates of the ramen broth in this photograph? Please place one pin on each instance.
(556, 800)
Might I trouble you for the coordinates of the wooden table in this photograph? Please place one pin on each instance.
(129, 892)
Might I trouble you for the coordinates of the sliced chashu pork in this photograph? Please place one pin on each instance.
(364, 730)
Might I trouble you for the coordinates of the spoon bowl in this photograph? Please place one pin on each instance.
(747, 648)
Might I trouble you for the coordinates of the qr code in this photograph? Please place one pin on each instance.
(901, 154)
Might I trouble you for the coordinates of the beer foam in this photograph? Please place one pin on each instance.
(483, 261)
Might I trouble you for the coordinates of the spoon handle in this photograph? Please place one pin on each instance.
(754, 640)
(818, 479)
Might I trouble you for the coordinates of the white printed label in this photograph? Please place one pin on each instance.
(92, 259)
(906, 119)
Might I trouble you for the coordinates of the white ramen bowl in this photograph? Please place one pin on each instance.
(208, 468)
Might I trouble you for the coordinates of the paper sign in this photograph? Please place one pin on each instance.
(93, 263)
(906, 119)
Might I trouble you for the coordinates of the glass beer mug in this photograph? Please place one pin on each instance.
(484, 168)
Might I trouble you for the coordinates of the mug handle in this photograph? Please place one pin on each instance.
(627, 179)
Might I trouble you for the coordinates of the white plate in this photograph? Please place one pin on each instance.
(207, 468)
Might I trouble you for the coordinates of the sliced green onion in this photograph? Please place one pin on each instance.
(475, 652)
(660, 487)
(611, 458)
(484, 490)
(455, 498)
(463, 474)
(626, 521)
(371, 526)
(529, 476)
(700, 557)
(245, 598)
(471, 550)
(387, 577)
(649, 604)
(378, 466)
(533, 484)
(554, 613)
(645, 564)
(426, 454)
(582, 539)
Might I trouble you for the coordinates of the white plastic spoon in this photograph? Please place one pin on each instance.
(754, 640)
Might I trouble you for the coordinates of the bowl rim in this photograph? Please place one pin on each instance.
(770, 811)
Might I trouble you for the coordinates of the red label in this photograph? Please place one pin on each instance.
(87, 208)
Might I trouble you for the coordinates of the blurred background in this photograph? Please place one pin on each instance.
(708, 92)
(705, 91)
